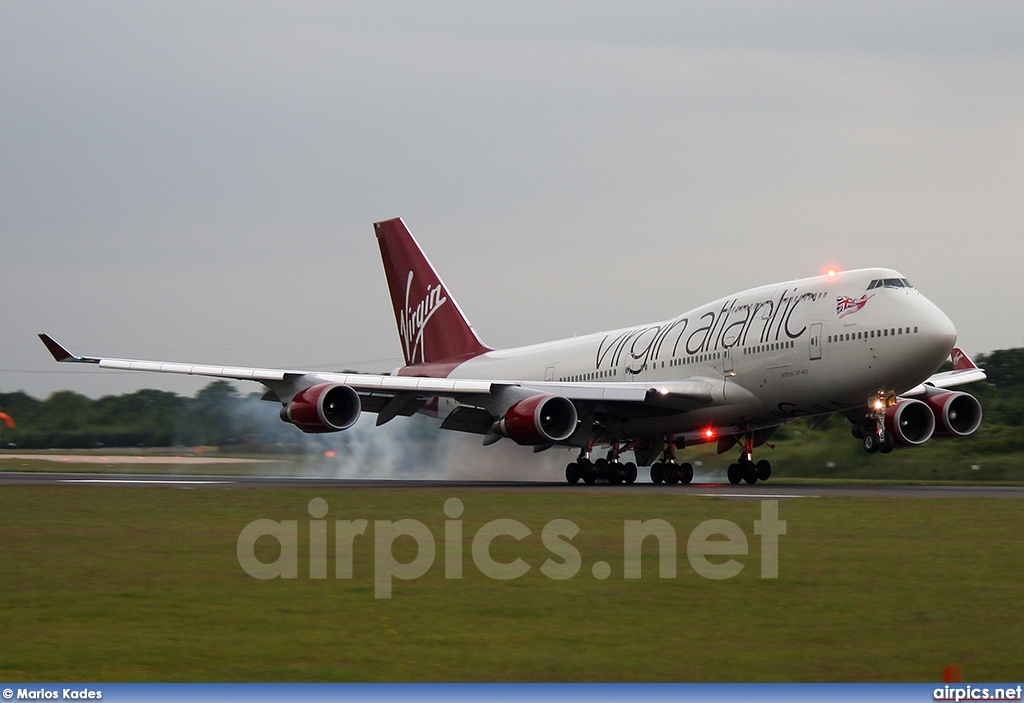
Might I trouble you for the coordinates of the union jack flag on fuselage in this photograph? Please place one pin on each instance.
(846, 305)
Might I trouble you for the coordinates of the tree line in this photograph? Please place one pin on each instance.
(217, 415)
(220, 415)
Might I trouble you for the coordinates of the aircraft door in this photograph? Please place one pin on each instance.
(815, 341)
(729, 371)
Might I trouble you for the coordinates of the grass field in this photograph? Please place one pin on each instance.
(144, 583)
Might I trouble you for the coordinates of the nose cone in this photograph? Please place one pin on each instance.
(910, 360)
(937, 339)
(939, 331)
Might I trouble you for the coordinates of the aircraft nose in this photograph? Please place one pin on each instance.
(940, 332)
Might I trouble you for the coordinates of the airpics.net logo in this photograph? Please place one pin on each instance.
(706, 544)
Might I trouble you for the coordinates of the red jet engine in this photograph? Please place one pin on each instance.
(957, 414)
(540, 419)
(327, 407)
(910, 422)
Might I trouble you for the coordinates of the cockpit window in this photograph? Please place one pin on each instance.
(889, 283)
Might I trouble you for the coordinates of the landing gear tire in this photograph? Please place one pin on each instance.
(685, 473)
(615, 473)
(587, 472)
(657, 472)
(749, 471)
(735, 475)
(631, 472)
(887, 443)
(871, 442)
(764, 470)
(572, 473)
(671, 473)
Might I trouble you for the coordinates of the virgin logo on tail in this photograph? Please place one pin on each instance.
(414, 319)
(961, 362)
(451, 339)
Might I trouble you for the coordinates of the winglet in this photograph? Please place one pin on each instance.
(60, 353)
(961, 362)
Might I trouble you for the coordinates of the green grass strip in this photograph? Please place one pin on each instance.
(143, 584)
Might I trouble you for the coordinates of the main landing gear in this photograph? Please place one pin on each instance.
(671, 472)
(612, 470)
(665, 469)
(668, 470)
(745, 469)
(609, 469)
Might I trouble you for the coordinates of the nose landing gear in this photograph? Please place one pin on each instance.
(872, 431)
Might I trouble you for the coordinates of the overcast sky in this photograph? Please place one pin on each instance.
(196, 181)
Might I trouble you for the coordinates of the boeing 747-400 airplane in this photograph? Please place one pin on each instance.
(862, 343)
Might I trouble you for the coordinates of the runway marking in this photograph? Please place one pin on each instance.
(752, 495)
(135, 459)
(118, 480)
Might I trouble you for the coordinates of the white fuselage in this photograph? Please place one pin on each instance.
(808, 347)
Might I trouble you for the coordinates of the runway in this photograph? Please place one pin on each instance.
(726, 491)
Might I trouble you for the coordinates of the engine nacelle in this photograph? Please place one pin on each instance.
(957, 414)
(327, 407)
(910, 422)
(540, 419)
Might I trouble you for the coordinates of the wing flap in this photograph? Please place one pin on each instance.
(468, 419)
(238, 373)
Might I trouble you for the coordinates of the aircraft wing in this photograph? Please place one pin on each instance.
(964, 371)
(276, 377)
(390, 396)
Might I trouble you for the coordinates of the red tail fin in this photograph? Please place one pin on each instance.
(431, 326)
